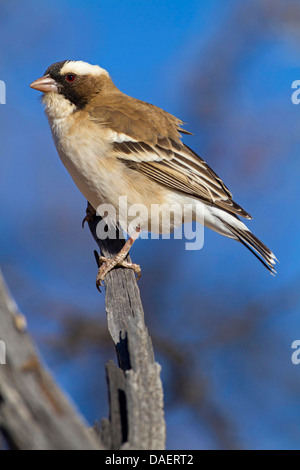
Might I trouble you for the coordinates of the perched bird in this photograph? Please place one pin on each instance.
(114, 145)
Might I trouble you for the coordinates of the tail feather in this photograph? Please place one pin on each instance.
(250, 241)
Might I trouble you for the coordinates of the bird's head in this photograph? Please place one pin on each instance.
(75, 81)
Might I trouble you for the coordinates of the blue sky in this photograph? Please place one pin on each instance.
(164, 52)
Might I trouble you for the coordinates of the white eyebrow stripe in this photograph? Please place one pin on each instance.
(82, 68)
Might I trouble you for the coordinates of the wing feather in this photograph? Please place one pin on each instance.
(147, 139)
(179, 168)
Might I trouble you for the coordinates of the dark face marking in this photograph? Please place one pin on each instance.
(54, 69)
(70, 88)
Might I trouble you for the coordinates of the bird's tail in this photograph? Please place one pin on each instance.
(250, 241)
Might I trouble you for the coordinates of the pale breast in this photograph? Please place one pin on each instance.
(82, 147)
(85, 150)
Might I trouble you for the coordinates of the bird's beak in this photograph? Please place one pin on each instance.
(44, 84)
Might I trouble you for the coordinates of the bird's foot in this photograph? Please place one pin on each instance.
(106, 265)
(90, 214)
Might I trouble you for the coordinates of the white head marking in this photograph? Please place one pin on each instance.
(82, 68)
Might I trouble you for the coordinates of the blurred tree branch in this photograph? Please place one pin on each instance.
(34, 413)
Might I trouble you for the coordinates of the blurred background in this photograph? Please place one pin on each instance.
(221, 325)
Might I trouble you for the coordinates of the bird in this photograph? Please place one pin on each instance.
(116, 146)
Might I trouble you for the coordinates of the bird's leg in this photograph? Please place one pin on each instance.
(90, 214)
(106, 264)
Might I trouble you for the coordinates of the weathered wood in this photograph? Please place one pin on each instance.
(34, 413)
(135, 389)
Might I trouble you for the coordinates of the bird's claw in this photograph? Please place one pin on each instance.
(135, 267)
(106, 265)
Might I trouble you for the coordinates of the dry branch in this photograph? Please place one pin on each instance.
(34, 413)
(135, 390)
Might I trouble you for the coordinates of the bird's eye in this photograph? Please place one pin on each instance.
(70, 78)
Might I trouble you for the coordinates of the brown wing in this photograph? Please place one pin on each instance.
(149, 142)
(137, 119)
(178, 167)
